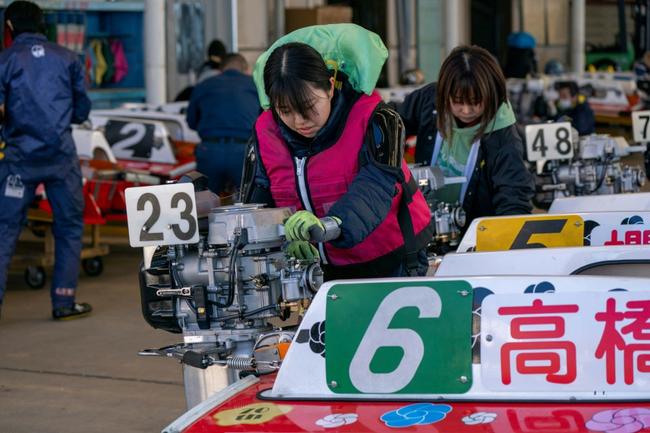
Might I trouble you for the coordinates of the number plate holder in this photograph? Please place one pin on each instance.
(399, 337)
(162, 215)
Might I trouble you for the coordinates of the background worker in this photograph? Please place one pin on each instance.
(210, 68)
(41, 93)
(223, 110)
(465, 125)
(569, 105)
(572, 104)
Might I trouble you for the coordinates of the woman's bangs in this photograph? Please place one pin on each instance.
(467, 90)
(293, 95)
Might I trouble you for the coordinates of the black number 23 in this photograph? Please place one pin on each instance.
(186, 215)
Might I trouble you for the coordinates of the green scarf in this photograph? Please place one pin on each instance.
(453, 156)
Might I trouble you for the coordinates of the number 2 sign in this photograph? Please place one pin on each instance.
(640, 126)
(549, 141)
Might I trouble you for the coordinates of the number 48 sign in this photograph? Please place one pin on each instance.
(549, 141)
(640, 123)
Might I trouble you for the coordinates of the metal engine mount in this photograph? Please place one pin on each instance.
(221, 292)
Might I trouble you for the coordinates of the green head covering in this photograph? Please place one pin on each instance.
(349, 48)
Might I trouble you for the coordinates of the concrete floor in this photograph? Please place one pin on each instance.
(85, 375)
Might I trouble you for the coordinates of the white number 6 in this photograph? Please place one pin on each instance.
(379, 335)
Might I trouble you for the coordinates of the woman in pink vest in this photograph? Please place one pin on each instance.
(334, 155)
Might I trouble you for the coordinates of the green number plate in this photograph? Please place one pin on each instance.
(403, 338)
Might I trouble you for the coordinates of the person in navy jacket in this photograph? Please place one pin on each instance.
(223, 109)
(42, 92)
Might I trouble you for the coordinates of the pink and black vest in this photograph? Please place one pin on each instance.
(327, 176)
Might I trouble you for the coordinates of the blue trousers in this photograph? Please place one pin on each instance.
(63, 186)
(222, 161)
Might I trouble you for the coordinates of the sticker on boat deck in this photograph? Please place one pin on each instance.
(479, 418)
(257, 413)
(416, 414)
(315, 336)
(541, 287)
(629, 420)
(337, 420)
(501, 234)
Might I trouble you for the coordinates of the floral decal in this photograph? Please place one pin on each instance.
(542, 287)
(337, 420)
(315, 336)
(620, 421)
(479, 418)
(415, 414)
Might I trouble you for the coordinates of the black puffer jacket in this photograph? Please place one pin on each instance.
(500, 183)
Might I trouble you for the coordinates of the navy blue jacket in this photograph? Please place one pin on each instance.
(224, 106)
(42, 89)
(582, 118)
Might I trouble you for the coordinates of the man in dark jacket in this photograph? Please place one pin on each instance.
(41, 93)
(223, 110)
(499, 183)
(570, 106)
(573, 105)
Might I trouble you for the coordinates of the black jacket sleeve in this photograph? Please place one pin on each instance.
(368, 200)
(510, 181)
(583, 119)
(255, 187)
(418, 112)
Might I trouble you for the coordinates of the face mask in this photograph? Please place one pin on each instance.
(564, 104)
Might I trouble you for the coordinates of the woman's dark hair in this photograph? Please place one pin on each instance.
(216, 48)
(571, 85)
(25, 17)
(472, 75)
(288, 71)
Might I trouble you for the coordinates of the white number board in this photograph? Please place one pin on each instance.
(162, 215)
(629, 234)
(641, 126)
(566, 342)
(549, 141)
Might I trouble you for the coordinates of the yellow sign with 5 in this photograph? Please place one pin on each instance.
(531, 231)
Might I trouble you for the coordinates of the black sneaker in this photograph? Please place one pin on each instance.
(75, 311)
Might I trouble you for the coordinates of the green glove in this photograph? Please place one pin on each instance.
(302, 250)
(297, 227)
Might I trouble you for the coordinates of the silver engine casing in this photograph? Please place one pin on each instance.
(222, 292)
(448, 218)
(595, 170)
